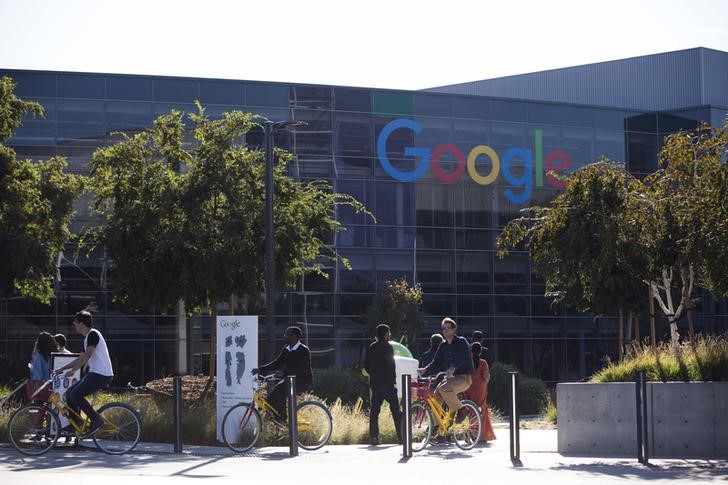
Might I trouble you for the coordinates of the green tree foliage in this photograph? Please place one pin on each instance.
(583, 246)
(692, 188)
(36, 207)
(398, 305)
(185, 213)
(683, 213)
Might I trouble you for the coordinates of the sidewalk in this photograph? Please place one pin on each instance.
(351, 464)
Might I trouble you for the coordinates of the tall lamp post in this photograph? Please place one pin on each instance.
(271, 128)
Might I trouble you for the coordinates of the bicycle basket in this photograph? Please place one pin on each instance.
(423, 388)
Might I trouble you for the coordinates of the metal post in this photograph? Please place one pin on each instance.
(406, 416)
(641, 401)
(177, 405)
(292, 418)
(515, 419)
(270, 298)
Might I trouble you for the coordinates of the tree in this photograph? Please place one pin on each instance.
(36, 207)
(184, 219)
(583, 246)
(685, 210)
(398, 305)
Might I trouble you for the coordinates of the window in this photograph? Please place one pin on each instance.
(81, 86)
(183, 90)
(129, 88)
(221, 92)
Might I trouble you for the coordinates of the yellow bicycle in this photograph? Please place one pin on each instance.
(429, 418)
(35, 428)
(242, 424)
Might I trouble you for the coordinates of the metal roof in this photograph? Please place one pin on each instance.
(658, 82)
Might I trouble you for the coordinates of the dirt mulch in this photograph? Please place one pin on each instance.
(192, 387)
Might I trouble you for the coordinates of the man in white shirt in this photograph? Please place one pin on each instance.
(96, 357)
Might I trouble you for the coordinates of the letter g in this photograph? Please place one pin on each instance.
(423, 153)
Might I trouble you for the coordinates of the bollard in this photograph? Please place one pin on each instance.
(177, 412)
(406, 416)
(641, 401)
(292, 416)
(515, 419)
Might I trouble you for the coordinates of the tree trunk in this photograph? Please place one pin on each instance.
(653, 333)
(628, 329)
(621, 334)
(637, 337)
(213, 341)
(213, 353)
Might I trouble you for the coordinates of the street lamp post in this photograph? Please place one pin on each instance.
(270, 298)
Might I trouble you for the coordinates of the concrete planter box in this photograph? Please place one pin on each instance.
(685, 419)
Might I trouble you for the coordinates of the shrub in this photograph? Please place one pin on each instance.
(346, 384)
(704, 360)
(533, 393)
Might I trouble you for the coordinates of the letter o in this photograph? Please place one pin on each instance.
(473, 155)
(448, 178)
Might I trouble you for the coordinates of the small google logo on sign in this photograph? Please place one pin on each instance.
(557, 161)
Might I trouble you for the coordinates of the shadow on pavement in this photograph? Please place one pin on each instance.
(683, 469)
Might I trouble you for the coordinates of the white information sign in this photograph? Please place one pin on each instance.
(61, 383)
(237, 353)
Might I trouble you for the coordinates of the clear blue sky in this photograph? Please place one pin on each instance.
(375, 43)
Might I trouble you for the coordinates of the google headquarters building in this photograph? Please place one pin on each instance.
(443, 170)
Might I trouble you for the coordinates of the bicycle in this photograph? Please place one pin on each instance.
(242, 424)
(35, 428)
(426, 412)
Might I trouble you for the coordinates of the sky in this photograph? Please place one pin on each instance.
(397, 44)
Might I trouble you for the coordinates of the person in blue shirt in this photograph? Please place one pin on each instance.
(426, 357)
(40, 366)
(40, 362)
(455, 357)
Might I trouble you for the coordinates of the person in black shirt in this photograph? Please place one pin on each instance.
(294, 360)
(426, 358)
(379, 363)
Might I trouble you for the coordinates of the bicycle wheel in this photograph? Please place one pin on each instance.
(121, 431)
(315, 425)
(421, 425)
(241, 427)
(466, 430)
(34, 429)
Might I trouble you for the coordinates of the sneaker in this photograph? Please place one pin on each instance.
(461, 414)
(95, 427)
(374, 441)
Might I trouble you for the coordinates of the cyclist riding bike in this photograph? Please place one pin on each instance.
(294, 360)
(454, 356)
(100, 373)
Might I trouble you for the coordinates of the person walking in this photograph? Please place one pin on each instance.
(379, 364)
(40, 366)
(478, 391)
(62, 342)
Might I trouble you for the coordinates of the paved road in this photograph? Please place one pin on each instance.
(355, 464)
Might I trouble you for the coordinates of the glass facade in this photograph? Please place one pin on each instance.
(488, 158)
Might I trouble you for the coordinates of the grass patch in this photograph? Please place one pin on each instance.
(706, 359)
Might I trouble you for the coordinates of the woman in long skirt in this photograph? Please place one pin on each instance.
(478, 391)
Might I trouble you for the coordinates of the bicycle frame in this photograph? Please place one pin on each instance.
(265, 408)
(442, 415)
(63, 409)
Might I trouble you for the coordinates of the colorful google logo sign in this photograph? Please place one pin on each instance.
(534, 166)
